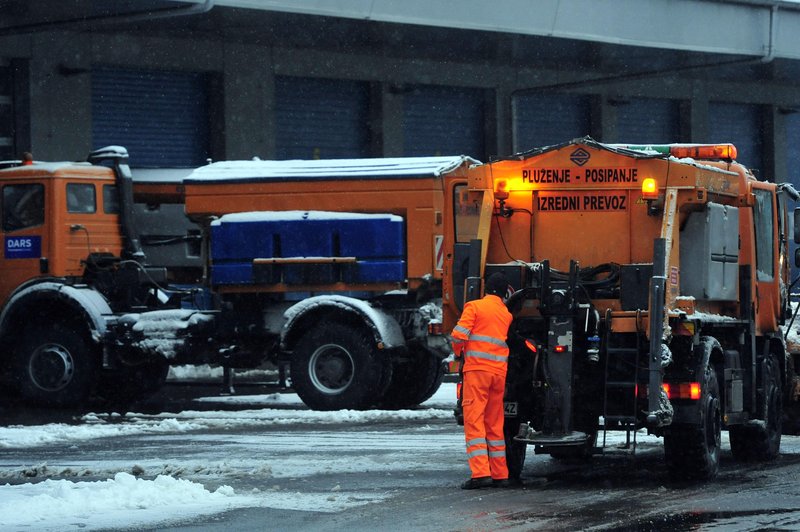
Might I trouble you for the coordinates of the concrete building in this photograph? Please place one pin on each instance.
(179, 82)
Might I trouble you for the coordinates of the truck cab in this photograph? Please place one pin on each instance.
(56, 219)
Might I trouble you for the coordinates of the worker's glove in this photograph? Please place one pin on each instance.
(458, 413)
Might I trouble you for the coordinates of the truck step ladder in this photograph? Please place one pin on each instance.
(619, 393)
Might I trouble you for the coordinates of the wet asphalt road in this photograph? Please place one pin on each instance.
(404, 476)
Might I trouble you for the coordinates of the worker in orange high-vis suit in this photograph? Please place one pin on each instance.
(480, 338)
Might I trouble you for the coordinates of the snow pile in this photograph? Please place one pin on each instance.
(57, 505)
(207, 372)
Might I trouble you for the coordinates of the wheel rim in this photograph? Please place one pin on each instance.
(331, 369)
(51, 367)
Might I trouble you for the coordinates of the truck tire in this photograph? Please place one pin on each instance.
(515, 450)
(413, 382)
(55, 366)
(335, 367)
(692, 452)
(762, 441)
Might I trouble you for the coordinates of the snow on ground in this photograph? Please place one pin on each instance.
(123, 498)
(60, 504)
(56, 505)
(103, 426)
(163, 497)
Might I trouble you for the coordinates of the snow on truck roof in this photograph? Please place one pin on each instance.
(290, 216)
(399, 167)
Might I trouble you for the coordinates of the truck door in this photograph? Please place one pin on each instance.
(24, 235)
(767, 276)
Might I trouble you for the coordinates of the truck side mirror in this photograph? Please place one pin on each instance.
(797, 225)
(797, 258)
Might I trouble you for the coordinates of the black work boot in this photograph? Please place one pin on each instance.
(477, 483)
(501, 483)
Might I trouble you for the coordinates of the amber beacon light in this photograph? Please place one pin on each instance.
(649, 189)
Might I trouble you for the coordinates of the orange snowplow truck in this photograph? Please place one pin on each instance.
(332, 267)
(648, 288)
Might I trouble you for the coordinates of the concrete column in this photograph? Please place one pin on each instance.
(391, 120)
(499, 123)
(603, 121)
(61, 96)
(694, 115)
(248, 88)
(776, 165)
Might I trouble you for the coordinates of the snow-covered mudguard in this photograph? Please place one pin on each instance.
(82, 301)
(385, 329)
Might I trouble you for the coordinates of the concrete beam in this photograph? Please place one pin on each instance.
(755, 29)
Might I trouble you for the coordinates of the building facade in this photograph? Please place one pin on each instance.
(181, 82)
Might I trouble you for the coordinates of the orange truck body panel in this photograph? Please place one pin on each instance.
(583, 202)
(418, 200)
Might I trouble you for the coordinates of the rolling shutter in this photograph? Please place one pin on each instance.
(160, 117)
(545, 119)
(443, 121)
(648, 120)
(739, 124)
(321, 118)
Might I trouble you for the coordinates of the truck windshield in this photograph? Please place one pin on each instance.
(23, 206)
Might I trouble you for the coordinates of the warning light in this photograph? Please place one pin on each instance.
(530, 345)
(703, 151)
(560, 349)
(649, 189)
(684, 151)
(500, 192)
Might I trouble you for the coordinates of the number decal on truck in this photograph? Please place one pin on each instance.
(510, 409)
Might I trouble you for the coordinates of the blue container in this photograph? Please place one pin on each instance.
(376, 241)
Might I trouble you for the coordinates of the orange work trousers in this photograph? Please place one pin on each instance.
(482, 401)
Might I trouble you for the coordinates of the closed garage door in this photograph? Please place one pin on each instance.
(648, 120)
(739, 124)
(321, 118)
(160, 117)
(443, 121)
(547, 119)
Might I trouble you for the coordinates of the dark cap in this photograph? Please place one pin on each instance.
(497, 284)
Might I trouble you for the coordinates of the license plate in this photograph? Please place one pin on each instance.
(510, 409)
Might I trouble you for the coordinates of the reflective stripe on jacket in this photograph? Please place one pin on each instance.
(483, 329)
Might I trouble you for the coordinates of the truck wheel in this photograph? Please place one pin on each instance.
(55, 367)
(762, 441)
(335, 367)
(692, 453)
(413, 382)
(515, 450)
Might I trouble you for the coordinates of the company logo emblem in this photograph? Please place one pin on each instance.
(580, 157)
